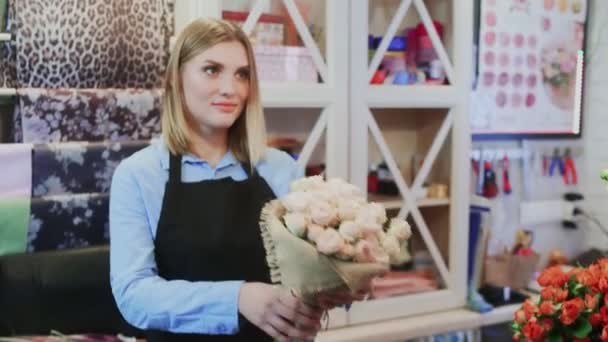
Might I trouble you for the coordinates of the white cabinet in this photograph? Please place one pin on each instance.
(358, 123)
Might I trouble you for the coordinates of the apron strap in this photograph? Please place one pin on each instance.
(175, 168)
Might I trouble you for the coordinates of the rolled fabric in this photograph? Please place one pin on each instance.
(8, 61)
(16, 161)
(92, 44)
(68, 221)
(58, 115)
(14, 219)
(77, 167)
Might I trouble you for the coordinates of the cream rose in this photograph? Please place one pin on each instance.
(297, 202)
(323, 213)
(307, 184)
(366, 251)
(330, 242)
(400, 229)
(346, 253)
(314, 232)
(350, 231)
(296, 223)
(378, 211)
(391, 246)
(366, 218)
(348, 208)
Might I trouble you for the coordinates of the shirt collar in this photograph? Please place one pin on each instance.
(227, 160)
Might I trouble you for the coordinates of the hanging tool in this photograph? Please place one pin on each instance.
(506, 184)
(569, 168)
(556, 161)
(480, 181)
(490, 189)
(545, 164)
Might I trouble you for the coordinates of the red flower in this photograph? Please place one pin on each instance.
(529, 308)
(533, 331)
(588, 277)
(602, 283)
(586, 339)
(561, 295)
(605, 334)
(520, 316)
(547, 324)
(547, 293)
(590, 301)
(517, 337)
(553, 276)
(546, 308)
(595, 319)
(604, 314)
(571, 310)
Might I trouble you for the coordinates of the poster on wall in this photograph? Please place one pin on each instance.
(530, 68)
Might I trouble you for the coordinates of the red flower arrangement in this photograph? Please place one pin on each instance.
(573, 306)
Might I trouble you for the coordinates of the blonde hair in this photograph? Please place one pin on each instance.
(247, 136)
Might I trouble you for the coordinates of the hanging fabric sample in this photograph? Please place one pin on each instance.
(16, 162)
(15, 188)
(78, 167)
(68, 221)
(92, 44)
(55, 115)
(8, 68)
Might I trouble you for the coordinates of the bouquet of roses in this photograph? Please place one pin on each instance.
(323, 236)
(573, 306)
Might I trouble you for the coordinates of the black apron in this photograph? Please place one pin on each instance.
(209, 231)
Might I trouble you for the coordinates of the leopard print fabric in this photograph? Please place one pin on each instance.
(92, 43)
(8, 74)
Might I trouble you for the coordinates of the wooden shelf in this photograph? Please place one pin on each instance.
(396, 202)
(8, 91)
(420, 326)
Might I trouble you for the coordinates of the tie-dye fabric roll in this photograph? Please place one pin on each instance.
(56, 115)
(68, 221)
(77, 167)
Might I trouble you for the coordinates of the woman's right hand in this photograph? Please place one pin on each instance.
(276, 311)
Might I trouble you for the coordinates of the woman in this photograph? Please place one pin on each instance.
(187, 259)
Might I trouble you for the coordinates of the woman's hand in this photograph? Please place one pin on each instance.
(277, 312)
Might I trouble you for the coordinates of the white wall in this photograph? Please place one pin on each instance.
(594, 146)
(595, 121)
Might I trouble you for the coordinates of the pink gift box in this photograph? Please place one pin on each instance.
(285, 63)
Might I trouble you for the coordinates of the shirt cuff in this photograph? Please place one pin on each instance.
(233, 289)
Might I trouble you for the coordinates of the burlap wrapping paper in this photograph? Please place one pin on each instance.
(297, 265)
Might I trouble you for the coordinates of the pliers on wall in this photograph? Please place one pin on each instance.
(569, 169)
(556, 161)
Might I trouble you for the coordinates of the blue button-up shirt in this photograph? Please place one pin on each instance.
(145, 299)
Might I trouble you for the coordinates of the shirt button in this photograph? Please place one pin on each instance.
(222, 328)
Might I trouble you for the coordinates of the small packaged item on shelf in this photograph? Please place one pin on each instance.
(269, 30)
(515, 268)
(386, 181)
(438, 191)
(285, 63)
(425, 55)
